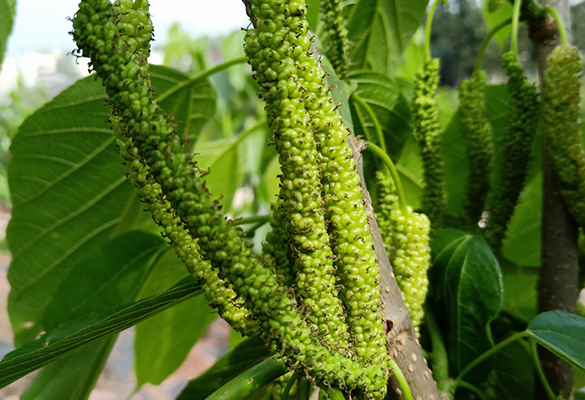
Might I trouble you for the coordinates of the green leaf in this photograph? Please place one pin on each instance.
(247, 354)
(520, 291)
(389, 106)
(226, 164)
(514, 373)
(69, 193)
(494, 19)
(472, 287)
(523, 238)
(562, 333)
(162, 343)
(77, 335)
(7, 11)
(106, 279)
(410, 170)
(381, 31)
(72, 377)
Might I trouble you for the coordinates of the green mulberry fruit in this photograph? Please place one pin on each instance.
(387, 202)
(218, 292)
(428, 132)
(301, 188)
(158, 145)
(336, 42)
(411, 260)
(477, 132)
(522, 121)
(292, 78)
(406, 237)
(562, 80)
(276, 249)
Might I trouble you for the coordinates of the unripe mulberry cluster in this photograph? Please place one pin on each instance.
(562, 80)
(302, 113)
(337, 44)
(522, 120)
(477, 132)
(425, 114)
(116, 38)
(406, 238)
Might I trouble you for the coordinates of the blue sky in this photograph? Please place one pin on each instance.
(43, 25)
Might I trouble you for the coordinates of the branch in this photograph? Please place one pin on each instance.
(560, 269)
(402, 342)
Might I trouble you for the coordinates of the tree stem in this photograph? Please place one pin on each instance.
(558, 287)
(428, 28)
(486, 42)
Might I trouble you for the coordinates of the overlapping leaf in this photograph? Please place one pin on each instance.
(68, 188)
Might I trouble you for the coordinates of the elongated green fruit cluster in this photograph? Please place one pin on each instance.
(337, 44)
(276, 250)
(521, 124)
(387, 202)
(562, 79)
(427, 130)
(132, 33)
(218, 292)
(300, 178)
(406, 237)
(477, 132)
(287, 71)
(411, 260)
(154, 135)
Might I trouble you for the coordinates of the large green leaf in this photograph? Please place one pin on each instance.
(72, 377)
(562, 333)
(7, 10)
(388, 105)
(514, 373)
(472, 287)
(522, 243)
(79, 334)
(520, 291)
(69, 193)
(247, 354)
(106, 279)
(381, 31)
(495, 18)
(162, 343)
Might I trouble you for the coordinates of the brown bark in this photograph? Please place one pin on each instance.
(558, 287)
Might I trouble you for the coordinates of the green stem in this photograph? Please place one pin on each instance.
(486, 42)
(377, 127)
(304, 389)
(539, 371)
(428, 27)
(250, 380)
(559, 22)
(250, 220)
(390, 166)
(469, 386)
(488, 354)
(401, 379)
(439, 357)
(137, 4)
(515, 24)
(201, 76)
(289, 386)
